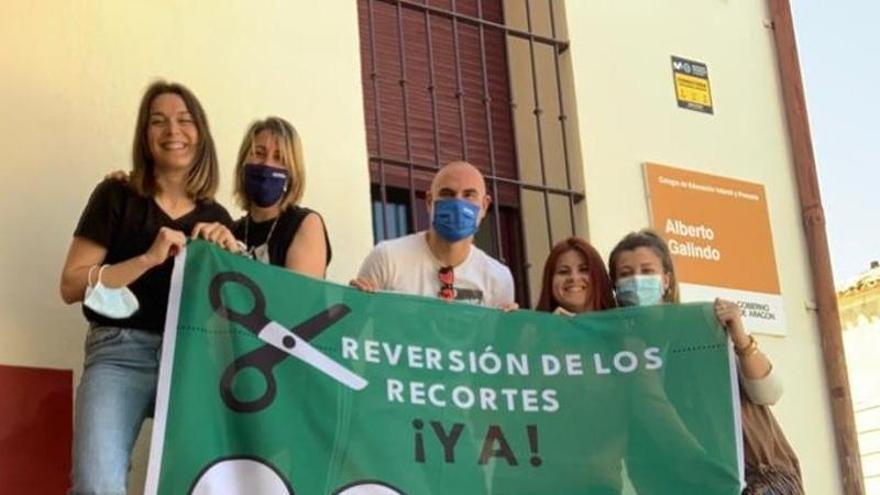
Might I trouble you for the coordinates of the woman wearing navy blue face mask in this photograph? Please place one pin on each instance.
(269, 183)
(643, 274)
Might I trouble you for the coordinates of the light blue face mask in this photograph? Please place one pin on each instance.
(639, 290)
(117, 303)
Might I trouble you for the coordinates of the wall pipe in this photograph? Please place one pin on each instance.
(804, 163)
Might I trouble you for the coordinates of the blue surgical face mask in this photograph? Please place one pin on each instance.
(455, 219)
(264, 185)
(640, 290)
(116, 303)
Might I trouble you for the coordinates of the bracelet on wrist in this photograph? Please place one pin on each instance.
(750, 349)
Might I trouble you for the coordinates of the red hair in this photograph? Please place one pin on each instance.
(602, 296)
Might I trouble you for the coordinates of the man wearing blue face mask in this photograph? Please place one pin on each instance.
(442, 261)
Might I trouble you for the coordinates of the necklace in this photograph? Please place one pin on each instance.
(261, 252)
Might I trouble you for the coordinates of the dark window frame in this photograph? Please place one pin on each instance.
(397, 164)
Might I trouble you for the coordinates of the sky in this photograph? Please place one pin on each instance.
(839, 49)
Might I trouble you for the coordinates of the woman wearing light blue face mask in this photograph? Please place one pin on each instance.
(269, 183)
(643, 274)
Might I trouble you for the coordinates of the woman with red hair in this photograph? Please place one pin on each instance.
(575, 280)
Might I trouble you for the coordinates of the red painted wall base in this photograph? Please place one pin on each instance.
(36, 428)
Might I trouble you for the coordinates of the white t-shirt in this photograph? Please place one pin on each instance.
(406, 265)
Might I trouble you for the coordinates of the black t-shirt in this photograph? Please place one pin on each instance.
(288, 224)
(126, 224)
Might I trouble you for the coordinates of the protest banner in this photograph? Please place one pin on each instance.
(275, 383)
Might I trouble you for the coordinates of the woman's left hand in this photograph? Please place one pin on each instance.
(218, 234)
(562, 311)
(730, 316)
(754, 365)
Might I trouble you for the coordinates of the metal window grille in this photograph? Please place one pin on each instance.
(439, 85)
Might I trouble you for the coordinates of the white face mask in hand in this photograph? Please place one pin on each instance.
(115, 303)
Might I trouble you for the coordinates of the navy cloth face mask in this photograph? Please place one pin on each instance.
(264, 185)
(455, 219)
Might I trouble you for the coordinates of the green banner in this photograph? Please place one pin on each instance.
(274, 383)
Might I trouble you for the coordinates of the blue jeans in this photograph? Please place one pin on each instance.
(116, 392)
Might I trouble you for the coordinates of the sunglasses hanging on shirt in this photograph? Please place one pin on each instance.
(446, 276)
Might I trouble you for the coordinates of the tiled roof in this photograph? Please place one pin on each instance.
(867, 280)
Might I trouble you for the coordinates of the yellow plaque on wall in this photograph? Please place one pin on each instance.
(691, 80)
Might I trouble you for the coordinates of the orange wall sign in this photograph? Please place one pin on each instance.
(718, 230)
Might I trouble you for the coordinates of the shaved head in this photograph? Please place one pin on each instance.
(459, 174)
(459, 180)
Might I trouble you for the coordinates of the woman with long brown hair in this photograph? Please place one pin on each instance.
(643, 273)
(119, 265)
(575, 280)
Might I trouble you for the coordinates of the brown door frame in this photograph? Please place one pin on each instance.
(813, 214)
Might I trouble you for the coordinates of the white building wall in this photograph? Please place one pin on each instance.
(862, 343)
(627, 114)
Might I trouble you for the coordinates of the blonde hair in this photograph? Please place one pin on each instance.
(203, 177)
(290, 149)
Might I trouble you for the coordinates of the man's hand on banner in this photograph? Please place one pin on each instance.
(508, 307)
(364, 285)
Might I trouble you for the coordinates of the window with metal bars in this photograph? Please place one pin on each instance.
(484, 81)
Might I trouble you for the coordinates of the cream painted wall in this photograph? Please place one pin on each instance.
(73, 74)
(627, 115)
